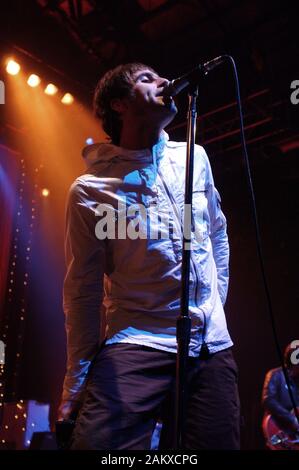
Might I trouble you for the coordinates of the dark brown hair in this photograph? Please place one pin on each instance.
(116, 83)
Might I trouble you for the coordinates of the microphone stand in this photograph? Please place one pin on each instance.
(184, 320)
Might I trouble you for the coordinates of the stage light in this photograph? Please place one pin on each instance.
(51, 89)
(12, 67)
(33, 80)
(45, 192)
(89, 140)
(67, 99)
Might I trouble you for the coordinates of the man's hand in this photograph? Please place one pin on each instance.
(68, 410)
(65, 424)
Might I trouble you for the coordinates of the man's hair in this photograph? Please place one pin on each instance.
(115, 84)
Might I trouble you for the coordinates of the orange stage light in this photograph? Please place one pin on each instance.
(13, 67)
(51, 89)
(67, 99)
(45, 192)
(33, 80)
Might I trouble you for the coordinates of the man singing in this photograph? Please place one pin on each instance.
(124, 249)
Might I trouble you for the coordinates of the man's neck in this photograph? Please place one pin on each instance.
(139, 137)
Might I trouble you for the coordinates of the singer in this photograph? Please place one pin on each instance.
(118, 389)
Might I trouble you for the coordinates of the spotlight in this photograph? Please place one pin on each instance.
(67, 99)
(13, 67)
(89, 140)
(33, 80)
(45, 192)
(51, 89)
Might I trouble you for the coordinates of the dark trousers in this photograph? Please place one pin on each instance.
(131, 386)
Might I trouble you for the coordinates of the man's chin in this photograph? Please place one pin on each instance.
(172, 107)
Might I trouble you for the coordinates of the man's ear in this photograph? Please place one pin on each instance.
(118, 105)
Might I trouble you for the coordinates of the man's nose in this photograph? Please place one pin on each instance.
(162, 82)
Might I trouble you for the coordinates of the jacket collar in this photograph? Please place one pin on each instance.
(106, 152)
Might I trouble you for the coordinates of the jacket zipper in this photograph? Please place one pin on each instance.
(195, 274)
(172, 200)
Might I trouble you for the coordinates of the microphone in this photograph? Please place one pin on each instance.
(178, 84)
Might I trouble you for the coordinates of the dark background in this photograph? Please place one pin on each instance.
(78, 41)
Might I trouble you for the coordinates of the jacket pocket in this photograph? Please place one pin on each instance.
(200, 216)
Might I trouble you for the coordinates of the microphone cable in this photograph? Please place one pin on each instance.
(258, 236)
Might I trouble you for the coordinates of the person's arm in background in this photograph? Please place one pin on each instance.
(82, 295)
(272, 404)
(218, 234)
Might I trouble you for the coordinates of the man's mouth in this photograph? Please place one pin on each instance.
(167, 100)
(164, 99)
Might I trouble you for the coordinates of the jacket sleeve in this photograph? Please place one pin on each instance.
(271, 401)
(218, 234)
(83, 290)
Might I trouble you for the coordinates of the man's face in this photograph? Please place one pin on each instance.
(147, 101)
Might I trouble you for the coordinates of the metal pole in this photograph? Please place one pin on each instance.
(184, 321)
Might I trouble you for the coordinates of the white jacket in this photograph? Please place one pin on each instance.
(139, 280)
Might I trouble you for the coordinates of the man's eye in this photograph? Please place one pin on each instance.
(146, 78)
